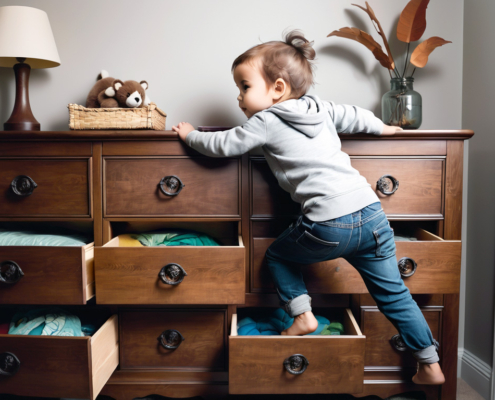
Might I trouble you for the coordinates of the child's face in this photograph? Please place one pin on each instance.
(255, 95)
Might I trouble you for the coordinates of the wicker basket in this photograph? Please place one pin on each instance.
(150, 117)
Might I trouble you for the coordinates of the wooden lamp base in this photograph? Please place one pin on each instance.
(22, 118)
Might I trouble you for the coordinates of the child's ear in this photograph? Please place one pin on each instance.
(280, 88)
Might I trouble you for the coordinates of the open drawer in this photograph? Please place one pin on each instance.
(428, 264)
(265, 364)
(46, 274)
(59, 366)
(170, 274)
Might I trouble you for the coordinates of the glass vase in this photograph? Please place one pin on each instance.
(401, 106)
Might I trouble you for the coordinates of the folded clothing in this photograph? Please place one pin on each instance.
(277, 322)
(32, 238)
(174, 237)
(50, 321)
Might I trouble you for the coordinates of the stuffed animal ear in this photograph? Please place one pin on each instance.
(117, 84)
(144, 84)
(110, 92)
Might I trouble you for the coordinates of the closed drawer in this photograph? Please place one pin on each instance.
(336, 363)
(57, 187)
(211, 187)
(56, 366)
(418, 195)
(172, 339)
(383, 347)
(141, 275)
(49, 274)
(438, 265)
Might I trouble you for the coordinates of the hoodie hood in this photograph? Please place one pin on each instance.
(306, 114)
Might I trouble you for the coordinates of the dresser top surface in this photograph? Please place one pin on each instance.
(104, 135)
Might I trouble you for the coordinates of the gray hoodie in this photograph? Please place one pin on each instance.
(299, 140)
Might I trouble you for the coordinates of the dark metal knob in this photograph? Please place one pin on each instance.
(296, 364)
(23, 185)
(398, 343)
(10, 272)
(172, 274)
(9, 364)
(407, 266)
(170, 339)
(172, 183)
(383, 184)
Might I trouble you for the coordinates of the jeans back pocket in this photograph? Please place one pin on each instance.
(315, 244)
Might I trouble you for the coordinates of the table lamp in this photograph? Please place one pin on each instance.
(26, 41)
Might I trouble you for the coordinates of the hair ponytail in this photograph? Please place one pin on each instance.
(296, 39)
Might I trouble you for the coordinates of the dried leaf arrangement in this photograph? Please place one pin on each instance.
(410, 28)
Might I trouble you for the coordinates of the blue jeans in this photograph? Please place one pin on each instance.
(366, 240)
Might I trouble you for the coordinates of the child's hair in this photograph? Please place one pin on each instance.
(289, 60)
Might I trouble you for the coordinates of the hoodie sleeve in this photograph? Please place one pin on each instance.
(353, 119)
(233, 142)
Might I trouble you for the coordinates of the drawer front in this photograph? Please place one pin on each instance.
(336, 364)
(211, 187)
(419, 192)
(438, 269)
(55, 366)
(66, 271)
(380, 350)
(201, 347)
(215, 275)
(62, 188)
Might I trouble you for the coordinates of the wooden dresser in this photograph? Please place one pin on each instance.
(170, 312)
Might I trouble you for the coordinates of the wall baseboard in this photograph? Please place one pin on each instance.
(475, 372)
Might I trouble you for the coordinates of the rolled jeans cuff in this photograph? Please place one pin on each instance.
(298, 305)
(428, 355)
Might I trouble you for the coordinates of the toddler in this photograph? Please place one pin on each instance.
(341, 214)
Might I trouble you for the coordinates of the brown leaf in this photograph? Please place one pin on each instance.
(412, 21)
(372, 15)
(419, 57)
(367, 40)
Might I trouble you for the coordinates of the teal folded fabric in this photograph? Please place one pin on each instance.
(277, 322)
(53, 320)
(175, 237)
(32, 238)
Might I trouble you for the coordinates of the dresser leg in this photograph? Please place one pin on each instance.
(448, 361)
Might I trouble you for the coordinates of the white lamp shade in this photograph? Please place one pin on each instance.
(25, 32)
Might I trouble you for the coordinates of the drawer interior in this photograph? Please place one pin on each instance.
(342, 315)
(225, 233)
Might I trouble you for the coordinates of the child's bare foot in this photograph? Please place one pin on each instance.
(429, 374)
(303, 324)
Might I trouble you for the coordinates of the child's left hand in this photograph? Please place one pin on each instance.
(390, 130)
(183, 129)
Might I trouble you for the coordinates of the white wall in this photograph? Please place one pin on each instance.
(185, 49)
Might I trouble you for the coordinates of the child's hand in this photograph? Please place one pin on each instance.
(390, 130)
(183, 129)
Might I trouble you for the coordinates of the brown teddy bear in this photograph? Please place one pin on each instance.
(109, 92)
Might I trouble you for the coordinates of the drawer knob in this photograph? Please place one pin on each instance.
(398, 343)
(407, 267)
(172, 183)
(9, 364)
(172, 274)
(170, 339)
(383, 184)
(296, 364)
(10, 272)
(23, 185)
